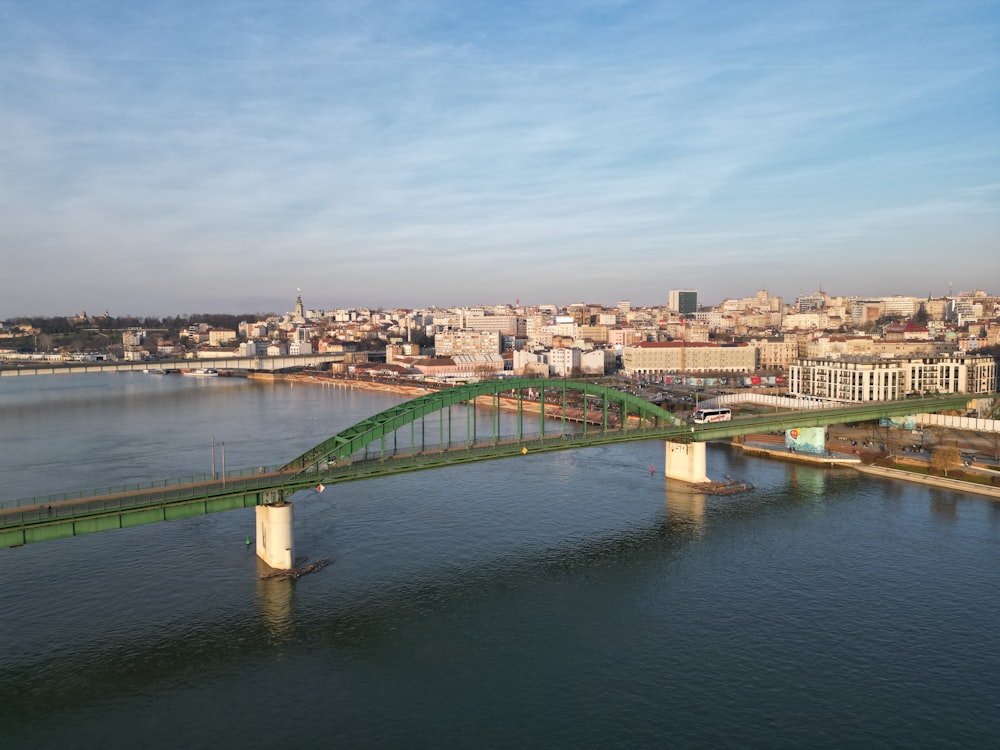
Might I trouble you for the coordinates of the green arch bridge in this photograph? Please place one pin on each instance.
(441, 428)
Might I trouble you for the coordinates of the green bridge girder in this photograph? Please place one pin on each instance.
(822, 417)
(89, 512)
(358, 437)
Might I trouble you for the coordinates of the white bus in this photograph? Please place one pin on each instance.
(704, 416)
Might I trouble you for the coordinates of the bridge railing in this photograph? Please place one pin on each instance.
(171, 491)
(149, 494)
(130, 488)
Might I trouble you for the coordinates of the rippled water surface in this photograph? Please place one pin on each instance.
(556, 601)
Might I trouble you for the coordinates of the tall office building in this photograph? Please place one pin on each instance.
(683, 301)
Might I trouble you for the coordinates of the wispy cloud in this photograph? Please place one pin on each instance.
(403, 143)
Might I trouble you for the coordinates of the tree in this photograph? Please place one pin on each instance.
(485, 372)
(995, 439)
(945, 457)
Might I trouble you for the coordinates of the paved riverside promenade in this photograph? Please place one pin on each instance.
(772, 446)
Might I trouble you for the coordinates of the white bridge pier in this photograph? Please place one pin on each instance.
(686, 461)
(275, 538)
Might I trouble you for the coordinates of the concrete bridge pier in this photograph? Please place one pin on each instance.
(686, 461)
(275, 538)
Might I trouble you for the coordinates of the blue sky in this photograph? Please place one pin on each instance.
(177, 157)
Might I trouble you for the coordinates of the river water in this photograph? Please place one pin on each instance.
(559, 600)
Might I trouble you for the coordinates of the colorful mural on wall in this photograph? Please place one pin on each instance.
(806, 440)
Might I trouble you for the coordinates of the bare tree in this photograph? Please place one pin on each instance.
(945, 457)
(995, 440)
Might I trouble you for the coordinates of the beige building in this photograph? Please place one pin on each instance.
(220, 336)
(462, 367)
(897, 349)
(773, 354)
(467, 341)
(819, 347)
(478, 320)
(598, 334)
(622, 336)
(666, 357)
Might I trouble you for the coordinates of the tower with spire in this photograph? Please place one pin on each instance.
(299, 312)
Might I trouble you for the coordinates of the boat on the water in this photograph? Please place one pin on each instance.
(203, 372)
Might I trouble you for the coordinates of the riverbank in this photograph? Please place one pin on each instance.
(552, 411)
(944, 482)
(399, 389)
(864, 461)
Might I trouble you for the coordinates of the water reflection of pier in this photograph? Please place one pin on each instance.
(684, 503)
(274, 600)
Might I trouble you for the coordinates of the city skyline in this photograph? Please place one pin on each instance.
(163, 159)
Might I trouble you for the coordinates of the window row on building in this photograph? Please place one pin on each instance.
(656, 358)
(867, 379)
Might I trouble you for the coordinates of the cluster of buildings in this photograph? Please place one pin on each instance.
(832, 347)
(842, 348)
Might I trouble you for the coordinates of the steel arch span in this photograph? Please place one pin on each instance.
(344, 444)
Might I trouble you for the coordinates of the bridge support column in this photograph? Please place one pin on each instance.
(275, 543)
(686, 461)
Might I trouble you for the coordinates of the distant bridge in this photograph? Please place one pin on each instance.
(14, 368)
(416, 435)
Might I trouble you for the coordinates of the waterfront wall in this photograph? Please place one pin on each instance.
(958, 423)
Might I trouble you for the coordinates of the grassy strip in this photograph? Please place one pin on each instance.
(961, 476)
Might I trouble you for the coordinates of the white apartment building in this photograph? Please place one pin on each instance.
(847, 379)
(861, 379)
(541, 330)
(709, 318)
(597, 361)
(133, 337)
(564, 361)
(954, 373)
(898, 306)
